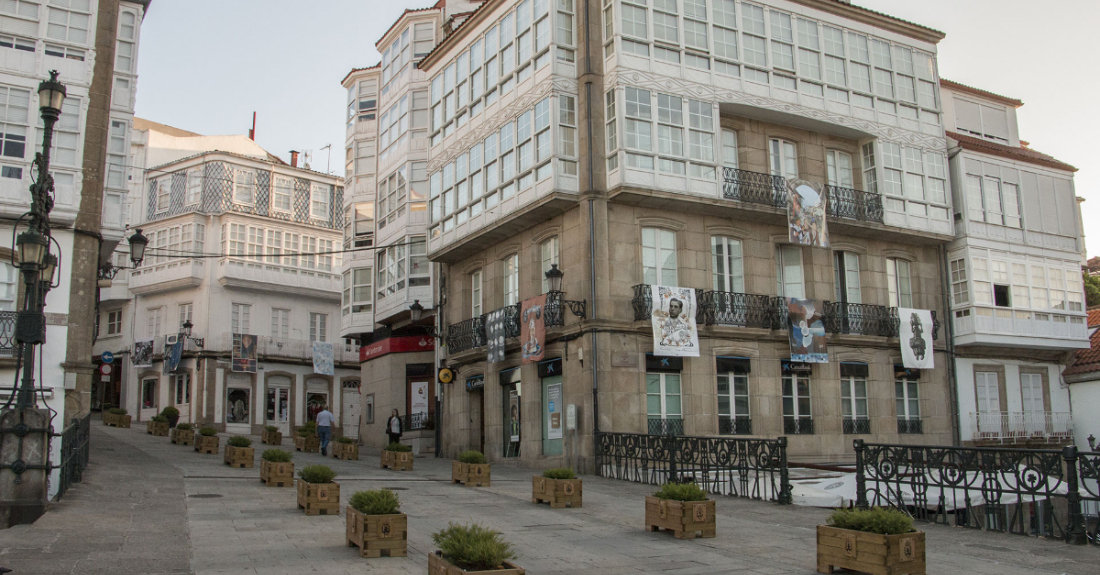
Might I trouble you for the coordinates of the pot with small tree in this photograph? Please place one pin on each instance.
(276, 468)
(682, 508)
(271, 435)
(207, 441)
(558, 487)
(306, 440)
(471, 549)
(345, 448)
(375, 525)
(239, 452)
(183, 434)
(172, 414)
(397, 456)
(880, 541)
(470, 469)
(158, 425)
(116, 417)
(318, 494)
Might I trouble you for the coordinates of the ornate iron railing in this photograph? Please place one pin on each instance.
(798, 425)
(467, 334)
(511, 320)
(750, 468)
(1022, 426)
(553, 312)
(667, 426)
(864, 319)
(739, 425)
(860, 425)
(910, 426)
(1089, 476)
(7, 334)
(742, 309)
(853, 204)
(754, 187)
(75, 444)
(643, 303)
(1020, 491)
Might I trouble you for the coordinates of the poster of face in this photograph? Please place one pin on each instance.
(532, 331)
(806, 331)
(916, 338)
(172, 353)
(674, 330)
(323, 357)
(420, 397)
(806, 213)
(244, 352)
(494, 332)
(143, 353)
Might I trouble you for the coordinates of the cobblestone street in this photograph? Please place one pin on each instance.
(149, 507)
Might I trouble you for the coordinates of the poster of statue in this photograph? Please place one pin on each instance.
(533, 328)
(674, 330)
(323, 360)
(173, 349)
(806, 213)
(915, 332)
(143, 353)
(806, 331)
(494, 333)
(244, 353)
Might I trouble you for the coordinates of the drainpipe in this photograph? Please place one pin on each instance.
(591, 226)
(949, 333)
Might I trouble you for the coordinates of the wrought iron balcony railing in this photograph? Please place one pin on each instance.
(7, 334)
(798, 425)
(910, 426)
(511, 320)
(754, 187)
(736, 425)
(667, 426)
(860, 425)
(467, 334)
(1021, 426)
(864, 319)
(742, 309)
(853, 204)
(643, 304)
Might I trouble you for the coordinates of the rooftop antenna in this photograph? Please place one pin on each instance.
(328, 162)
(252, 130)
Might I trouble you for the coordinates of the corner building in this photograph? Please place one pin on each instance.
(650, 143)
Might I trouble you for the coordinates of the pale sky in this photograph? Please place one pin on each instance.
(206, 65)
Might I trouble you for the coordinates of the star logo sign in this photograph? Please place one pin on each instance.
(664, 362)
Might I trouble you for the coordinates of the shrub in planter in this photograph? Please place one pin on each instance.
(345, 448)
(117, 411)
(271, 435)
(375, 525)
(185, 427)
(239, 441)
(471, 548)
(207, 441)
(183, 434)
(207, 431)
(397, 456)
(276, 469)
(117, 417)
(318, 494)
(172, 414)
(873, 540)
(558, 487)
(470, 469)
(158, 425)
(239, 452)
(682, 508)
(306, 440)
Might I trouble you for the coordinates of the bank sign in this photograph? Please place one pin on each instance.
(405, 344)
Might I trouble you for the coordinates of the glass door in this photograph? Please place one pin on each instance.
(278, 408)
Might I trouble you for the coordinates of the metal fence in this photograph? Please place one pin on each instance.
(75, 443)
(750, 468)
(8, 344)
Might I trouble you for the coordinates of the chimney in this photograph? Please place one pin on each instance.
(294, 158)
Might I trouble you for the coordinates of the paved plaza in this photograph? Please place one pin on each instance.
(149, 507)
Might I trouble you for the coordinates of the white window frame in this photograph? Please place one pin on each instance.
(318, 327)
(899, 280)
(549, 255)
(240, 317)
(727, 264)
(785, 266)
(476, 287)
(510, 279)
(659, 257)
(280, 323)
(665, 412)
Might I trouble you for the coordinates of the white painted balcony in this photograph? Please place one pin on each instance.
(256, 275)
(1021, 328)
(284, 348)
(353, 324)
(119, 290)
(1021, 426)
(167, 276)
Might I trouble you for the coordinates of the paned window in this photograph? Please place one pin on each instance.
(114, 322)
(510, 279)
(476, 294)
(318, 326)
(788, 270)
(846, 277)
(959, 291)
(899, 283)
(14, 107)
(797, 409)
(853, 397)
(280, 323)
(548, 251)
(659, 257)
(281, 194)
(783, 159)
(244, 186)
(663, 400)
(727, 265)
(69, 21)
(319, 201)
(241, 318)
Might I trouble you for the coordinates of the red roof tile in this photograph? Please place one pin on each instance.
(1022, 154)
(1014, 102)
(1094, 317)
(438, 6)
(1086, 360)
(354, 70)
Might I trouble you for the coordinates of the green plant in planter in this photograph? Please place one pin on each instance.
(681, 492)
(559, 473)
(208, 432)
(239, 441)
(473, 547)
(885, 521)
(270, 428)
(310, 428)
(170, 412)
(375, 502)
(184, 427)
(276, 456)
(399, 447)
(345, 440)
(117, 411)
(472, 457)
(317, 474)
(159, 419)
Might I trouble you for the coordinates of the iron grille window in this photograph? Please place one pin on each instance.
(798, 425)
(857, 425)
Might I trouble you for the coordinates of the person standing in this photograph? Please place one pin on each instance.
(393, 427)
(324, 427)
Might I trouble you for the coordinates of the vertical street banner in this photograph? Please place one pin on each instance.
(323, 360)
(494, 333)
(143, 353)
(173, 349)
(244, 353)
(806, 331)
(915, 333)
(674, 331)
(806, 213)
(532, 330)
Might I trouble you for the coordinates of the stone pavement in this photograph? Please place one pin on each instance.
(147, 506)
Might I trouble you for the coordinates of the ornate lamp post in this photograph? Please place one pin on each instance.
(554, 278)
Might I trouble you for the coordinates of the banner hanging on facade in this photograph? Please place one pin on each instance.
(143, 353)
(915, 333)
(674, 331)
(323, 358)
(244, 352)
(806, 213)
(173, 349)
(419, 393)
(494, 333)
(806, 331)
(532, 330)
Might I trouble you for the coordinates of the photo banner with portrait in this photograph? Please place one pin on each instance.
(143, 353)
(915, 333)
(173, 349)
(494, 334)
(532, 328)
(674, 331)
(323, 359)
(244, 353)
(806, 213)
(806, 330)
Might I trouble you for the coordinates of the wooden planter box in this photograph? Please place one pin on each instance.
(870, 552)
(437, 565)
(116, 420)
(311, 444)
(397, 460)
(683, 518)
(377, 535)
(271, 437)
(158, 428)
(205, 444)
(276, 474)
(240, 456)
(470, 474)
(183, 436)
(319, 498)
(557, 492)
(346, 451)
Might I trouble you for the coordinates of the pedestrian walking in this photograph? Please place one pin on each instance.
(324, 427)
(393, 427)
